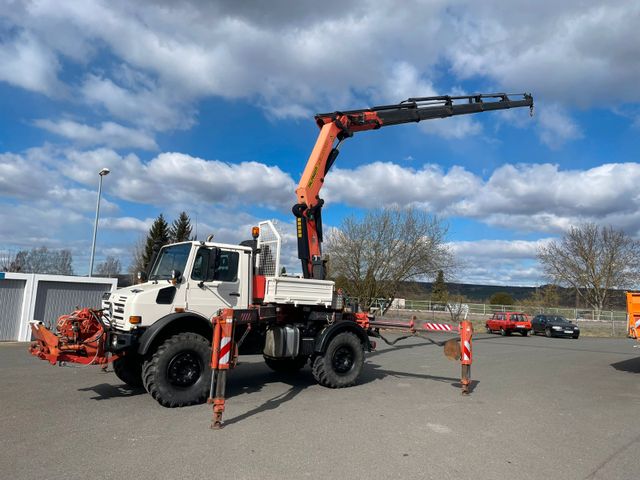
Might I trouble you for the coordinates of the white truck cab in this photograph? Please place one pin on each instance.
(196, 277)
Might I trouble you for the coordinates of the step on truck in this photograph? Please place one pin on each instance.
(202, 304)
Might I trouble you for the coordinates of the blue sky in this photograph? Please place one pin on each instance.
(208, 107)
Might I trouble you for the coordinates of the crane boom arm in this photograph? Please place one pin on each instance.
(338, 126)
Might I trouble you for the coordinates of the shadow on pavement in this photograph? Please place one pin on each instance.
(631, 365)
(106, 391)
(254, 377)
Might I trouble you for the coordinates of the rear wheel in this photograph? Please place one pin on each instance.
(524, 333)
(341, 364)
(503, 332)
(285, 365)
(129, 369)
(178, 373)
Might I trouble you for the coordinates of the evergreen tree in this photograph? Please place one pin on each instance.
(157, 237)
(181, 229)
(439, 292)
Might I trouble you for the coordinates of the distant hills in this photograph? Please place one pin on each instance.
(481, 293)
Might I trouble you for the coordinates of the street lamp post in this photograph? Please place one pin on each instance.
(101, 173)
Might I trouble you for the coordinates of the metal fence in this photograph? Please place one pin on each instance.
(611, 322)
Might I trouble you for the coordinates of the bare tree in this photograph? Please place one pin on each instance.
(592, 260)
(109, 268)
(9, 262)
(371, 257)
(137, 258)
(39, 260)
(457, 307)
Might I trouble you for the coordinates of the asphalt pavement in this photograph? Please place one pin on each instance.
(540, 408)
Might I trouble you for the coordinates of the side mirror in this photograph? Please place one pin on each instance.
(176, 276)
(142, 277)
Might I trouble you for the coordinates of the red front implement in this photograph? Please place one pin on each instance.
(80, 338)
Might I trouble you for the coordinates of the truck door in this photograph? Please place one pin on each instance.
(216, 281)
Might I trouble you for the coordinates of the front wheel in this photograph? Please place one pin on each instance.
(548, 333)
(128, 368)
(575, 335)
(178, 373)
(341, 364)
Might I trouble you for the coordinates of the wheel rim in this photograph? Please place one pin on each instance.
(343, 360)
(184, 369)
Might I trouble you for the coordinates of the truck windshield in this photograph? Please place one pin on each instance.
(170, 258)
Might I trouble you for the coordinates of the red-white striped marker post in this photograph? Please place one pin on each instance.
(466, 357)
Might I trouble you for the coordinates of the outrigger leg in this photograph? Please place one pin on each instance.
(220, 356)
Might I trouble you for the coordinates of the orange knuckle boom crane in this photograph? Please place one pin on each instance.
(338, 126)
(204, 303)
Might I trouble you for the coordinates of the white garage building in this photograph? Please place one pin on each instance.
(26, 296)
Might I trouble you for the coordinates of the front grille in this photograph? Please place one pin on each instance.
(114, 310)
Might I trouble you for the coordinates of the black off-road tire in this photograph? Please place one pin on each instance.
(286, 365)
(179, 372)
(128, 368)
(341, 364)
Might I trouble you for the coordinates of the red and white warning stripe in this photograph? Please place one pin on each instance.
(441, 327)
(638, 323)
(466, 351)
(225, 350)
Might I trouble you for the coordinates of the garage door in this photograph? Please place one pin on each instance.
(59, 298)
(11, 298)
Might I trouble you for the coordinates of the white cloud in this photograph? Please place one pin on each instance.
(126, 223)
(555, 126)
(575, 52)
(26, 63)
(149, 106)
(491, 250)
(166, 58)
(384, 183)
(20, 177)
(109, 134)
(171, 178)
(500, 262)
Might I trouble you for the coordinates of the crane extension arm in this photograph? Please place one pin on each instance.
(342, 125)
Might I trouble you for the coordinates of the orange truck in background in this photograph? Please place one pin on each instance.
(633, 315)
